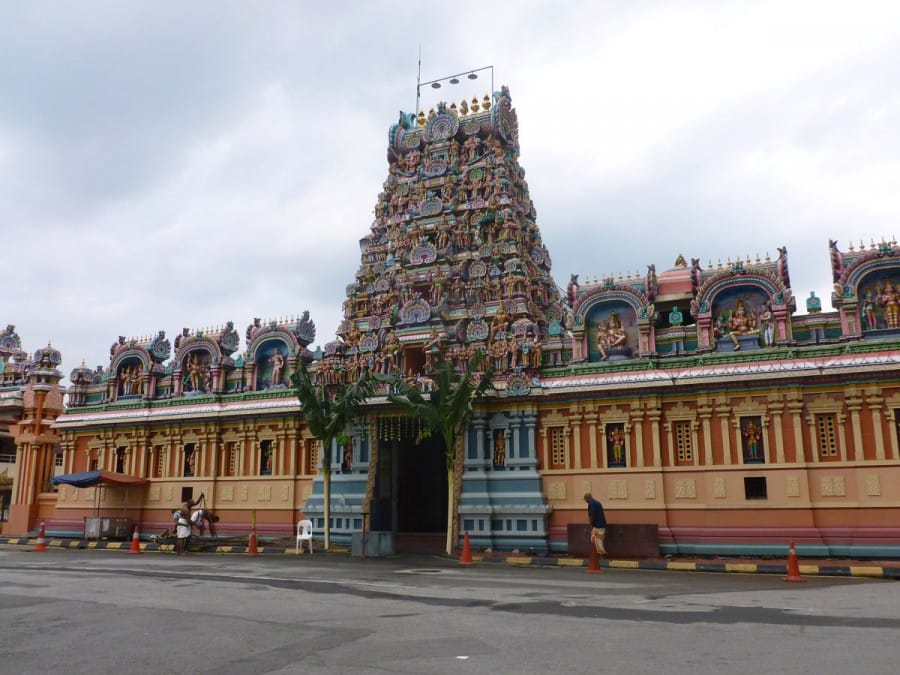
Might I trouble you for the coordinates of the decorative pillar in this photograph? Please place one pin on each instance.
(576, 439)
(795, 410)
(637, 419)
(854, 404)
(724, 414)
(875, 402)
(705, 413)
(591, 419)
(775, 409)
(654, 416)
(530, 422)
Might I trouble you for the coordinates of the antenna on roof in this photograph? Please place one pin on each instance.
(418, 81)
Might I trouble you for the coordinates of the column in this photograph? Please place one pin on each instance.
(654, 416)
(638, 421)
(576, 440)
(591, 419)
(705, 417)
(795, 410)
(875, 401)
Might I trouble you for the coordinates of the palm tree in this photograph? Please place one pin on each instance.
(446, 411)
(328, 411)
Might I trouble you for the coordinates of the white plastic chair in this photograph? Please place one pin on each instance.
(304, 533)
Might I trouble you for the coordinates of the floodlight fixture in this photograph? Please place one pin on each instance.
(449, 79)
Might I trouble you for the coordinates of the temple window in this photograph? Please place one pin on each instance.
(229, 459)
(313, 447)
(266, 458)
(58, 460)
(755, 487)
(684, 452)
(159, 459)
(557, 448)
(826, 438)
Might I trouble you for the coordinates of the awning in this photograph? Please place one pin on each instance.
(102, 477)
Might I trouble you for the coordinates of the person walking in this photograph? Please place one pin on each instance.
(597, 520)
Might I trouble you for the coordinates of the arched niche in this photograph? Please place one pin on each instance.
(271, 357)
(129, 369)
(595, 312)
(765, 301)
(877, 288)
(195, 369)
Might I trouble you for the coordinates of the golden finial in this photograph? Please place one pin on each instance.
(464, 107)
(474, 104)
(420, 120)
(757, 258)
(850, 245)
(595, 278)
(431, 114)
(768, 259)
(709, 264)
(453, 107)
(720, 263)
(748, 258)
(486, 102)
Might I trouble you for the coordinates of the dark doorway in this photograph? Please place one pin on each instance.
(421, 487)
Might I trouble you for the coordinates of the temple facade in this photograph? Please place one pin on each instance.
(695, 398)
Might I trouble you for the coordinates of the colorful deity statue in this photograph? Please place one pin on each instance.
(890, 301)
(768, 325)
(616, 439)
(610, 334)
(752, 434)
(741, 322)
(869, 302)
(276, 362)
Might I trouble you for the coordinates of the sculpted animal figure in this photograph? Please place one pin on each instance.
(572, 290)
(837, 260)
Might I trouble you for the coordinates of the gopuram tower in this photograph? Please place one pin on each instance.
(454, 261)
(453, 265)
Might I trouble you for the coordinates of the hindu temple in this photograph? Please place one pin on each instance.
(696, 397)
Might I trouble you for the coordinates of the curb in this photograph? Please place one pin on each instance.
(153, 547)
(875, 570)
(830, 569)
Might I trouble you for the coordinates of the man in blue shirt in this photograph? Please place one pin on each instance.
(597, 520)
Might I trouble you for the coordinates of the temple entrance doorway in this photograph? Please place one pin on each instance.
(421, 487)
(411, 494)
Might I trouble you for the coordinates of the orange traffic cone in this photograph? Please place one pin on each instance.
(251, 545)
(793, 565)
(135, 541)
(594, 561)
(41, 540)
(465, 559)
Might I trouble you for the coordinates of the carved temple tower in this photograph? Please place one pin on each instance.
(454, 261)
(453, 264)
(35, 406)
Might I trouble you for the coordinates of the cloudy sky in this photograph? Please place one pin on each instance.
(172, 164)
